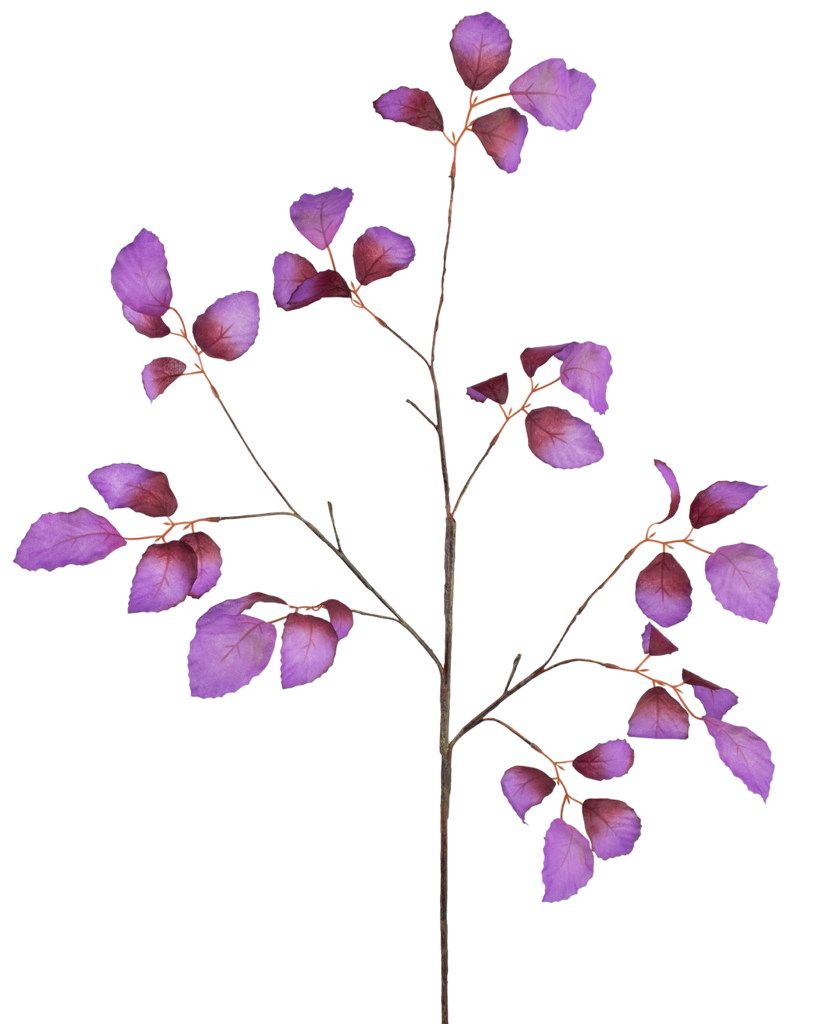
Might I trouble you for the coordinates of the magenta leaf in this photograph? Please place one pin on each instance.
(126, 485)
(140, 276)
(230, 649)
(159, 374)
(319, 217)
(663, 590)
(673, 486)
(561, 440)
(657, 716)
(209, 562)
(746, 755)
(340, 616)
(228, 327)
(308, 649)
(720, 500)
(586, 370)
(555, 96)
(67, 538)
(613, 827)
(655, 644)
(290, 270)
(496, 389)
(411, 106)
(502, 134)
(568, 862)
(480, 46)
(380, 252)
(744, 579)
(717, 700)
(327, 284)
(150, 326)
(525, 787)
(605, 761)
(164, 577)
(534, 358)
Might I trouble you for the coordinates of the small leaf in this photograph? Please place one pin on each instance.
(159, 374)
(209, 562)
(673, 486)
(380, 252)
(290, 271)
(568, 862)
(657, 716)
(502, 134)
(613, 827)
(608, 760)
(126, 485)
(746, 755)
(534, 358)
(140, 276)
(720, 500)
(496, 389)
(663, 590)
(525, 787)
(716, 700)
(556, 97)
(57, 539)
(164, 577)
(561, 440)
(318, 217)
(150, 326)
(228, 327)
(410, 106)
(586, 370)
(340, 616)
(327, 284)
(655, 644)
(744, 579)
(480, 45)
(308, 649)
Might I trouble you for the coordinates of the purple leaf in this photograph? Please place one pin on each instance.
(744, 579)
(657, 716)
(126, 485)
(230, 649)
(720, 500)
(228, 327)
(209, 562)
(290, 270)
(562, 440)
(613, 827)
(605, 761)
(556, 97)
(164, 577)
(159, 374)
(534, 358)
(140, 276)
(496, 389)
(717, 700)
(525, 787)
(327, 284)
(308, 649)
(67, 538)
(340, 616)
(319, 217)
(411, 106)
(502, 134)
(745, 755)
(663, 590)
(480, 46)
(673, 486)
(586, 370)
(655, 644)
(150, 326)
(380, 252)
(568, 862)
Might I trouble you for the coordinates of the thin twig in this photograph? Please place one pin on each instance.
(252, 515)
(512, 673)
(471, 476)
(332, 520)
(373, 615)
(522, 737)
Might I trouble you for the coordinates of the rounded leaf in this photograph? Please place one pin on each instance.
(209, 562)
(126, 485)
(716, 700)
(586, 370)
(496, 389)
(555, 96)
(159, 374)
(380, 252)
(57, 539)
(663, 590)
(745, 754)
(502, 134)
(410, 106)
(568, 862)
(164, 577)
(140, 276)
(230, 649)
(525, 787)
(561, 440)
(744, 579)
(480, 45)
(613, 827)
(290, 271)
(318, 217)
(308, 649)
(719, 500)
(657, 716)
(655, 644)
(228, 327)
(608, 760)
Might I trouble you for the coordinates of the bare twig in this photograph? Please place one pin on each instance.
(332, 520)
(512, 673)
(409, 402)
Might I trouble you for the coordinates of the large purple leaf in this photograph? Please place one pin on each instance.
(496, 389)
(534, 358)
(502, 134)
(657, 716)
(568, 862)
(561, 440)
(720, 500)
(164, 577)
(228, 327)
(319, 217)
(126, 485)
(555, 96)
(327, 284)
(209, 562)
(230, 649)
(613, 827)
(663, 590)
(410, 106)
(289, 271)
(744, 579)
(716, 700)
(480, 46)
(380, 252)
(308, 649)
(586, 370)
(67, 538)
(655, 644)
(150, 326)
(745, 755)
(140, 276)
(340, 616)
(605, 761)
(673, 486)
(525, 787)
(159, 374)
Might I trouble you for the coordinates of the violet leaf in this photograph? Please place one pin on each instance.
(480, 45)
(555, 96)
(318, 217)
(327, 284)
(209, 562)
(149, 326)
(561, 440)
(340, 616)
(534, 358)
(746, 755)
(380, 252)
(673, 486)
(126, 485)
(657, 716)
(496, 389)
(719, 500)
(612, 825)
(525, 787)
(159, 374)
(568, 862)
(57, 539)
(655, 644)
(663, 590)
(608, 760)
(502, 134)
(308, 649)
(586, 370)
(164, 577)
(236, 605)
(140, 276)
(744, 579)
(716, 700)
(289, 271)
(410, 106)
(228, 327)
